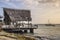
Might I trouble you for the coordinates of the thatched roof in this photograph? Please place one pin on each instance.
(18, 15)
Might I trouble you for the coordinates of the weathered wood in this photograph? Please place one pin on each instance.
(12, 16)
(31, 30)
(17, 15)
(25, 31)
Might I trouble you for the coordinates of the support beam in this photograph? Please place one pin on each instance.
(20, 31)
(25, 31)
(31, 31)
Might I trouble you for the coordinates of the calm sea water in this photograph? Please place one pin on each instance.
(48, 31)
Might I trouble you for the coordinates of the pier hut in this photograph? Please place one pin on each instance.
(19, 18)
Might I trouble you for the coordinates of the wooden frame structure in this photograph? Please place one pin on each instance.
(14, 16)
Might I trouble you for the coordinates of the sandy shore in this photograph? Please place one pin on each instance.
(13, 36)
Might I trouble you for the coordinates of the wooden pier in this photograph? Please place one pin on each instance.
(18, 20)
(20, 29)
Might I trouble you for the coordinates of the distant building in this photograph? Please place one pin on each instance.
(1, 17)
(1, 22)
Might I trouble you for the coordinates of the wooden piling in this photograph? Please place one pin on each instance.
(31, 31)
(25, 31)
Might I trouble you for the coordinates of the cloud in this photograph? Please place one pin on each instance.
(39, 11)
(31, 3)
(4, 0)
(7, 3)
(7, 0)
(34, 3)
(42, 3)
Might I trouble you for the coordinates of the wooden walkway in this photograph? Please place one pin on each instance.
(20, 29)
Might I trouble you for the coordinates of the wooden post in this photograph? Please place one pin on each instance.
(25, 31)
(31, 30)
(20, 31)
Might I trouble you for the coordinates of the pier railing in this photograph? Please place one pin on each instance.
(19, 27)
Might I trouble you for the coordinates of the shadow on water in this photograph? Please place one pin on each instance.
(11, 31)
(33, 34)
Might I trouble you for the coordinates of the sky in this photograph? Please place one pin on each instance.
(41, 10)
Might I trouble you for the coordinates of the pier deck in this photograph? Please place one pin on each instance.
(9, 28)
(19, 27)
